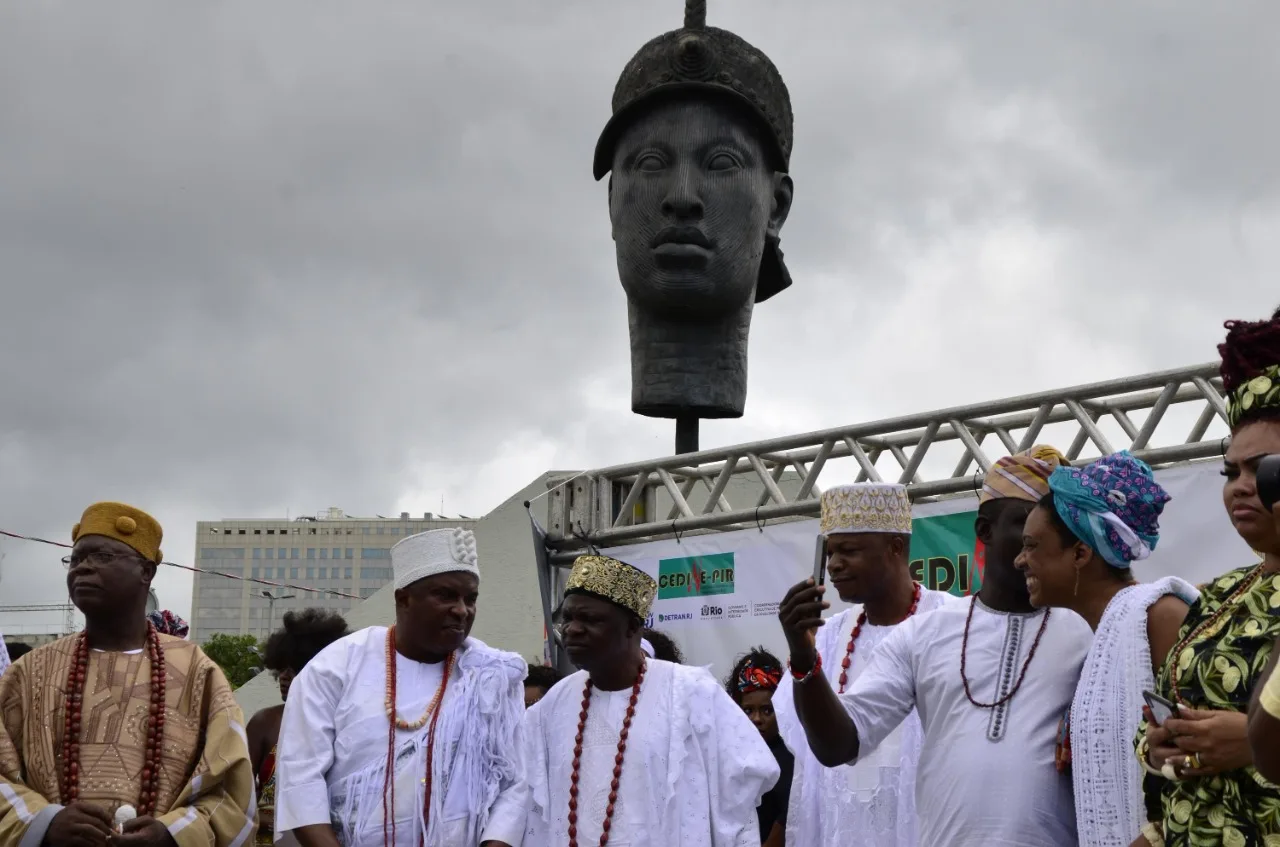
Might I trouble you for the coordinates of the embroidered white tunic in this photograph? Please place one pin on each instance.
(986, 776)
(1105, 714)
(694, 772)
(331, 756)
(871, 802)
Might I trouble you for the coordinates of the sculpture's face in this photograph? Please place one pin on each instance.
(691, 199)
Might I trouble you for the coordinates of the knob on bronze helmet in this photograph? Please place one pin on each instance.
(699, 58)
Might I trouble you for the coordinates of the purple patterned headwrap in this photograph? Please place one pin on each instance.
(1113, 505)
(167, 623)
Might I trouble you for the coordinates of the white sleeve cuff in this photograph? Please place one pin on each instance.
(304, 804)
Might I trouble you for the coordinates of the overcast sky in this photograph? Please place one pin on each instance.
(268, 257)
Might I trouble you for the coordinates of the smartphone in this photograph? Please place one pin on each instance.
(1269, 481)
(820, 561)
(1161, 708)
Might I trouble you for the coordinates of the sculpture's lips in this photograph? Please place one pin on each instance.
(683, 235)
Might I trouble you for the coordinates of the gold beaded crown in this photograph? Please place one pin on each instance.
(617, 582)
(866, 507)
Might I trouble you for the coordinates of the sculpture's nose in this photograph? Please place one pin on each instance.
(683, 200)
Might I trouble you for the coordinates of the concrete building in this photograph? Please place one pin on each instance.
(333, 551)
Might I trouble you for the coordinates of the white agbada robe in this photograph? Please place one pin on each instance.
(871, 802)
(693, 774)
(4, 656)
(987, 777)
(1105, 714)
(331, 756)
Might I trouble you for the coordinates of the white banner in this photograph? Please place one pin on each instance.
(718, 594)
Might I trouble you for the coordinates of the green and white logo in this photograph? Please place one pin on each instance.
(695, 576)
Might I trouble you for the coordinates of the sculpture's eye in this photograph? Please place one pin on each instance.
(722, 161)
(649, 162)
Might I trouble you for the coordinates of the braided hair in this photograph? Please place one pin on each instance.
(1251, 347)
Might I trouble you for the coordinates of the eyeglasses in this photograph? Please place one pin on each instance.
(99, 559)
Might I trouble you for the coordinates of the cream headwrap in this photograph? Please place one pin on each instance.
(1022, 476)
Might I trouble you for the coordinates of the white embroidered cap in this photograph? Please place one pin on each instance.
(866, 507)
(646, 647)
(435, 552)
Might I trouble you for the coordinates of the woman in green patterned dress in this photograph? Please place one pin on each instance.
(1201, 787)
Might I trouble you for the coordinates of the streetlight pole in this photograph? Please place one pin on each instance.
(271, 608)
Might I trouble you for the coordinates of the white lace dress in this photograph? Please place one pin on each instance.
(872, 802)
(693, 774)
(1105, 714)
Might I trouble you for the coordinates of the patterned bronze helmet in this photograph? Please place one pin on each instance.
(697, 57)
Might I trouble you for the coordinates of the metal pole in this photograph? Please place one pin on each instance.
(271, 608)
(686, 434)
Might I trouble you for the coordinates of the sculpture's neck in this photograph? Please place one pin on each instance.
(697, 369)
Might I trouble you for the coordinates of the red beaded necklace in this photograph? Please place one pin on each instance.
(74, 704)
(433, 710)
(1224, 611)
(617, 761)
(857, 630)
(964, 648)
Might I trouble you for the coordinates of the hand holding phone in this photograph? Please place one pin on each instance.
(1161, 709)
(820, 561)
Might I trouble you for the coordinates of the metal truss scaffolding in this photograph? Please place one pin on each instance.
(678, 494)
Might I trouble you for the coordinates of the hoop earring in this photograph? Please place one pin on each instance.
(1076, 591)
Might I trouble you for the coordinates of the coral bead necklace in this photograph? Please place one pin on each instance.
(393, 723)
(617, 760)
(73, 708)
(857, 630)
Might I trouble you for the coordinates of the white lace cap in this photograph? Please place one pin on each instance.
(435, 552)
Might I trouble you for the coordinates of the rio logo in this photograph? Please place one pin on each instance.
(712, 612)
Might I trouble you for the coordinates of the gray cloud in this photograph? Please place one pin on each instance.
(270, 257)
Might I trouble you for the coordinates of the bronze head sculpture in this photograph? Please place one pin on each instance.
(699, 146)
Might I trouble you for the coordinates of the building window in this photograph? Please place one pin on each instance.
(382, 530)
(311, 552)
(364, 530)
(257, 552)
(210, 553)
(324, 552)
(351, 554)
(271, 552)
(375, 553)
(324, 573)
(311, 573)
(255, 573)
(226, 532)
(312, 531)
(241, 532)
(271, 532)
(281, 553)
(347, 574)
(395, 530)
(257, 532)
(293, 554)
(293, 573)
(279, 573)
(337, 552)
